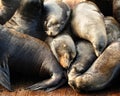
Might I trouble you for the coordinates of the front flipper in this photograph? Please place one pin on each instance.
(4, 74)
(50, 84)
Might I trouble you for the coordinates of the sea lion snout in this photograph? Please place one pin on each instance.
(52, 26)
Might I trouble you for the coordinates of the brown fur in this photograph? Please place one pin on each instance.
(102, 71)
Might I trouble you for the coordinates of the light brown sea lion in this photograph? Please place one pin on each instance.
(56, 15)
(29, 56)
(85, 18)
(27, 18)
(63, 47)
(102, 71)
(84, 58)
(7, 9)
(116, 10)
(112, 29)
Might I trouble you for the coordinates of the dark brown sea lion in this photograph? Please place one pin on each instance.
(27, 18)
(102, 71)
(7, 9)
(29, 56)
(57, 15)
(116, 10)
(112, 29)
(85, 18)
(84, 59)
(63, 47)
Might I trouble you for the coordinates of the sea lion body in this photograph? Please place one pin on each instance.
(57, 15)
(63, 48)
(7, 9)
(28, 55)
(27, 18)
(83, 60)
(116, 10)
(112, 29)
(102, 71)
(85, 18)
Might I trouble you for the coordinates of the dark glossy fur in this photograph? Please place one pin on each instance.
(101, 73)
(7, 9)
(29, 56)
(27, 18)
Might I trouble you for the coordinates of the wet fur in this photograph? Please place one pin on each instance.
(63, 48)
(88, 11)
(56, 17)
(7, 9)
(29, 56)
(27, 18)
(106, 66)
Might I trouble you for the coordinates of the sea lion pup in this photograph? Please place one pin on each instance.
(84, 58)
(112, 29)
(29, 56)
(116, 10)
(57, 15)
(85, 18)
(27, 18)
(63, 47)
(7, 9)
(101, 73)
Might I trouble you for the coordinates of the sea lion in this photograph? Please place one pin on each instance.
(116, 10)
(102, 71)
(57, 15)
(27, 18)
(84, 23)
(29, 56)
(112, 29)
(7, 9)
(84, 58)
(63, 47)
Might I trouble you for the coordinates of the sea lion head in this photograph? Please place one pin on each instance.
(53, 26)
(64, 50)
(56, 17)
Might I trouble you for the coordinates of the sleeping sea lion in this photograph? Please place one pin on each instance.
(27, 18)
(84, 58)
(116, 10)
(85, 18)
(112, 29)
(7, 9)
(57, 15)
(29, 56)
(63, 48)
(101, 73)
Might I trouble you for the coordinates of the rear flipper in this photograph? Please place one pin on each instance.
(4, 74)
(50, 84)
